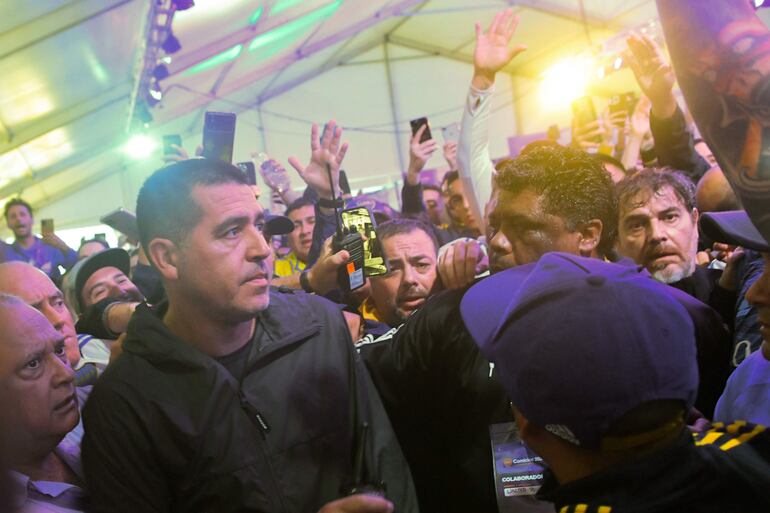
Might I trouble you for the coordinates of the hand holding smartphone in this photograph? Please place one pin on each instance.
(46, 227)
(416, 124)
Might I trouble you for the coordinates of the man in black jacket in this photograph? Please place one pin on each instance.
(552, 198)
(221, 400)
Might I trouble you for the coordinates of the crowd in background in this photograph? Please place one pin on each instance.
(605, 301)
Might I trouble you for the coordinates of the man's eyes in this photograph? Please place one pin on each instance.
(33, 364)
(59, 350)
(671, 217)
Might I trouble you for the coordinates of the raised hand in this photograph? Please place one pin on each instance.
(420, 152)
(450, 154)
(323, 151)
(492, 51)
(654, 74)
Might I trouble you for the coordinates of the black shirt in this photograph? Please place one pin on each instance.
(724, 470)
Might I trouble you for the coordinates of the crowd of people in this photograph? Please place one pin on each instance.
(609, 307)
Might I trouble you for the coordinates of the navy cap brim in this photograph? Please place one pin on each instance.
(484, 305)
(733, 227)
(278, 225)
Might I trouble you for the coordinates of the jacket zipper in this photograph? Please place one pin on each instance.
(254, 414)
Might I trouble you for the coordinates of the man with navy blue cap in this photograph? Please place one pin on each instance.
(602, 394)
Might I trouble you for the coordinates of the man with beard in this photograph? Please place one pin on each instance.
(102, 295)
(302, 214)
(410, 248)
(47, 253)
(658, 229)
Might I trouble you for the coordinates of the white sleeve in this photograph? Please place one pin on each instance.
(476, 169)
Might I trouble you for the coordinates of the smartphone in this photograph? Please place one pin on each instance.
(451, 132)
(625, 102)
(360, 220)
(249, 170)
(416, 124)
(344, 184)
(584, 113)
(218, 136)
(122, 221)
(169, 141)
(46, 226)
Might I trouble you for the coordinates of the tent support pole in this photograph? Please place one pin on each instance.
(393, 112)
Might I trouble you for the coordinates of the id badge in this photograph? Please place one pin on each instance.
(518, 472)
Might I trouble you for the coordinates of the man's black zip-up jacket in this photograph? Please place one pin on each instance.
(170, 429)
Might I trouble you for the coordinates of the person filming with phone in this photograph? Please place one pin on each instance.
(46, 253)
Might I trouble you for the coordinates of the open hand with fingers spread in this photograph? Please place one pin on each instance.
(493, 51)
(653, 73)
(324, 151)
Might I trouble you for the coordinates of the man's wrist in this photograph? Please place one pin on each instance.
(664, 107)
(482, 80)
(304, 281)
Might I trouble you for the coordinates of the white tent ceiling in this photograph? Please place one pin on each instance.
(68, 71)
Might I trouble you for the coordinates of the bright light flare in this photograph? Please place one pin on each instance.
(140, 146)
(565, 82)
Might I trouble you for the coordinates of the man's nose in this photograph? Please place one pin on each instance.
(258, 246)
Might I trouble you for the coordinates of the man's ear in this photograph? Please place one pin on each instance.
(695, 216)
(164, 255)
(590, 236)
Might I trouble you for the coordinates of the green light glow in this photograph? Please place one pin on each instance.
(216, 60)
(255, 16)
(297, 25)
(282, 5)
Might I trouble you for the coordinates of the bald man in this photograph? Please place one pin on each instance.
(714, 194)
(36, 289)
(43, 434)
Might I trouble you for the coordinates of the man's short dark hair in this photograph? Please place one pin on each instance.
(103, 242)
(653, 179)
(405, 225)
(449, 177)
(573, 183)
(165, 207)
(298, 204)
(15, 202)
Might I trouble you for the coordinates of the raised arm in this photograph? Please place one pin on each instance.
(721, 55)
(493, 52)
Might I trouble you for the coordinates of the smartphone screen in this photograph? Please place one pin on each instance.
(46, 226)
(169, 141)
(584, 113)
(249, 170)
(416, 124)
(360, 219)
(218, 136)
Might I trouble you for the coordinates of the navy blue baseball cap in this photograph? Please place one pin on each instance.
(733, 227)
(578, 342)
